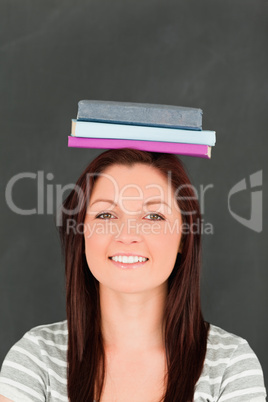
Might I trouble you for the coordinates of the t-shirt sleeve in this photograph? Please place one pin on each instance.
(243, 377)
(23, 376)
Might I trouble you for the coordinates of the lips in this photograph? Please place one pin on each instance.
(127, 255)
(128, 260)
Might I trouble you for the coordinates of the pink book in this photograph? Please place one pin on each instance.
(201, 151)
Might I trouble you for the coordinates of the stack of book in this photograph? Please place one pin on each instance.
(147, 127)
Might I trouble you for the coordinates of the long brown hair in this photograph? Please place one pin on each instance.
(185, 329)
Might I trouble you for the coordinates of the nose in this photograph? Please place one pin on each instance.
(129, 231)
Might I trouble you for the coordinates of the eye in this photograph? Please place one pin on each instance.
(104, 215)
(156, 217)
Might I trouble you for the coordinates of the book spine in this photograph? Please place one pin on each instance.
(202, 151)
(122, 131)
(140, 114)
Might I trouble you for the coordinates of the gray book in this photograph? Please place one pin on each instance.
(144, 114)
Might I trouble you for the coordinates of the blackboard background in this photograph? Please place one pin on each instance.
(208, 54)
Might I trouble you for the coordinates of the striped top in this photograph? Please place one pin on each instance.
(35, 368)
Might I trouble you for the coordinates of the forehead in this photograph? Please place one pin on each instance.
(134, 187)
(138, 177)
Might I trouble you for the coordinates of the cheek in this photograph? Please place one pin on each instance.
(94, 235)
(93, 260)
(94, 248)
(166, 242)
(171, 245)
(165, 247)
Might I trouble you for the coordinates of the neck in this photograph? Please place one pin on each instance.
(132, 322)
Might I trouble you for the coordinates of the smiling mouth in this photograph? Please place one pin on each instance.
(132, 259)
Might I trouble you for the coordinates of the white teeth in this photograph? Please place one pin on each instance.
(128, 260)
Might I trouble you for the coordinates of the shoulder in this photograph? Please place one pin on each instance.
(48, 343)
(49, 333)
(47, 336)
(231, 369)
(225, 340)
(44, 340)
(35, 361)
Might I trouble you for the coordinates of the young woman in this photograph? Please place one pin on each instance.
(134, 329)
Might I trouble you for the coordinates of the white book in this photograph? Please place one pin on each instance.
(88, 129)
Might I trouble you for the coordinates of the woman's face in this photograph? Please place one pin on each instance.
(132, 213)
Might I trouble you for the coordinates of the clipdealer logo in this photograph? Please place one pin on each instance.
(255, 221)
(47, 192)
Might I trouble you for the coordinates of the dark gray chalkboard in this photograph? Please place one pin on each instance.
(206, 54)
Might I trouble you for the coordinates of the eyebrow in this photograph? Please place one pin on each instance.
(146, 203)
